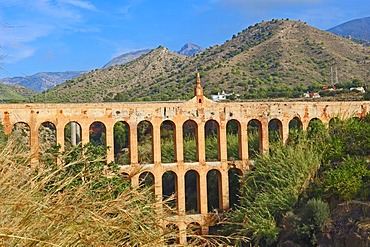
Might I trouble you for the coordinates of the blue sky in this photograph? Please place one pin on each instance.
(63, 35)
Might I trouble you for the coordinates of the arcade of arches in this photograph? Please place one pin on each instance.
(194, 150)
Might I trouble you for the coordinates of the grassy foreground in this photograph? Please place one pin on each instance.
(75, 204)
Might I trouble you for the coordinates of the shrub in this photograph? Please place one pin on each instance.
(313, 217)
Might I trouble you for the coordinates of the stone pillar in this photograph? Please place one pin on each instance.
(224, 181)
(285, 131)
(264, 136)
(133, 144)
(60, 136)
(158, 188)
(201, 143)
(182, 234)
(243, 143)
(181, 192)
(34, 143)
(203, 192)
(109, 141)
(85, 134)
(222, 141)
(156, 142)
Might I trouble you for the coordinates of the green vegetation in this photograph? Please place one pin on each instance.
(296, 184)
(272, 59)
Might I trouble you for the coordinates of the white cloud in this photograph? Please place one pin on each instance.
(32, 20)
(126, 10)
(80, 4)
(17, 52)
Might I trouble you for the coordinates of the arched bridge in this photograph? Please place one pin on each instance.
(201, 181)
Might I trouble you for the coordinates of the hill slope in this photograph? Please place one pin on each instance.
(14, 93)
(278, 58)
(127, 57)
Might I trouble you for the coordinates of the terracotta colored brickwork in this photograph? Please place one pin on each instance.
(200, 110)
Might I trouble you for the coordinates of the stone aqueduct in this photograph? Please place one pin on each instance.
(199, 110)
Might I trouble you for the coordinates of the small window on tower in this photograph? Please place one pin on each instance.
(200, 100)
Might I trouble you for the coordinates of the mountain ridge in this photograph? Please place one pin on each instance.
(302, 57)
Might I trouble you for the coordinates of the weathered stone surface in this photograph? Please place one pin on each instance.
(200, 110)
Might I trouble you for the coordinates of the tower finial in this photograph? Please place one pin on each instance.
(198, 78)
(198, 90)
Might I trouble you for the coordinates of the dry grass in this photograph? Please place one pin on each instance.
(44, 208)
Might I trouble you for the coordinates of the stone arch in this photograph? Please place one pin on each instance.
(234, 186)
(295, 126)
(168, 142)
(192, 192)
(190, 141)
(214, 194)
(72, 135)
(315, 127)
(172, 233)
(192, 230)
(275, 128)
(169, 189)
(97, 134)
(121, 135)
(22, 132)
(125, 177)
(254, 138)
(47, 134)
(145, 142)
(233, 138)
(212, 140)
(146, 179)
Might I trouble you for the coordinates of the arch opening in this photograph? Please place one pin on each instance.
(169, 189)
(192, 230)
(315, 128)
(190, 141)
(22, 134)
(192, 196)
(254, 138)
(233, 140)
(72, 135)
(47, 142)
(212, 140)
(172, 233)
(214, 190)
(275, 130)
(97, 134)
(168, 142)
(234, 186)
(145, 142)
(121, 135)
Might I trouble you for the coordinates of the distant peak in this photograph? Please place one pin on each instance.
(189, 49)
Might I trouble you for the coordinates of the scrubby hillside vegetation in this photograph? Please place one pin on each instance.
(278, 58)
(314, 191)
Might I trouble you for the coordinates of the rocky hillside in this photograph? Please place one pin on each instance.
(105, 84)
(41, 81)
(278, 58)
(127, 57)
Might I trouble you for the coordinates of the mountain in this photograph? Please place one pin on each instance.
(42, 81)
(358, 28)
(14, 93)
(127, 57)
(278, 58)
(189, 49)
